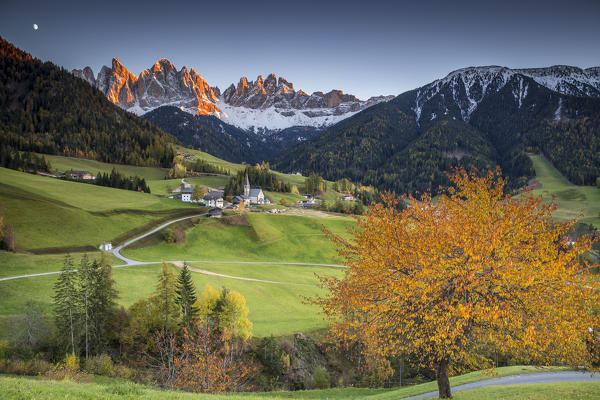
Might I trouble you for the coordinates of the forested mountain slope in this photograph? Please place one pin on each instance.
(44, 108)
(481, 117)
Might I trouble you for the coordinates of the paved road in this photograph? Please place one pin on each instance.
(525, 379)
(129, 262)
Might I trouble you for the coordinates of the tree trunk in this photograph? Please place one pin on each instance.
(442, 380)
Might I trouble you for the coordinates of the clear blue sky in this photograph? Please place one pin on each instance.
(366, 48)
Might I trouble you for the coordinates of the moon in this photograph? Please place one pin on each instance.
(35, 27)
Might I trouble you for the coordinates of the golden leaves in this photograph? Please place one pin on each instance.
(472, 267)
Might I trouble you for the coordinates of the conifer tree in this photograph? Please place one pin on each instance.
(164, 300)
(84, 294)
(65, 302)
(102, 304)
(186, 297)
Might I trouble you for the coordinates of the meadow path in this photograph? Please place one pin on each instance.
(129, 262)
(525, 379)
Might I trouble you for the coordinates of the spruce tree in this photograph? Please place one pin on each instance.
(84, 294)
(164, 299)
(186, 297)
(65, 302)
(102, 304)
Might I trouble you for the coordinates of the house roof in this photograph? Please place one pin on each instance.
(186, 188)
(255, 192)
(213, 196)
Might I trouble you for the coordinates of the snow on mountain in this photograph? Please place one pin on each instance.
(262, 105)
(465, 88)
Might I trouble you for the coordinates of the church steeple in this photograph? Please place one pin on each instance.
(247, 187)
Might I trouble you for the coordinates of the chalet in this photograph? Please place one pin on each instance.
(186, 156)
(186, 191)
(347, 197)
(85, 175)
(241, 199)
(214, 199)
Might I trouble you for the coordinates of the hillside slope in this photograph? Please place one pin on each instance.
(506, 109)
(45, 109)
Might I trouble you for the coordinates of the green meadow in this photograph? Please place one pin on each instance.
(275, 308)
(52, 213)
(107, 388)
(574, 202)
(254, 237)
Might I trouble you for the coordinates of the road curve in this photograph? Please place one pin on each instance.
(117, 250)
(129, 262)
(524, 379)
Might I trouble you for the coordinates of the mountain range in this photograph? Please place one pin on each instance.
(261, 106)
(478, 116)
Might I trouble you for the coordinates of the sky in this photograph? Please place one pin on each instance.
(366, 48)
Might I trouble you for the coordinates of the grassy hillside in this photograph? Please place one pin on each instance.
(260, 237)
(47, 212)
(572, 200)
(106, 388)
(275, 308)
(62, 164)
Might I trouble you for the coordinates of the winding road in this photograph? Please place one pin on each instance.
(179, 263)
(525, 379)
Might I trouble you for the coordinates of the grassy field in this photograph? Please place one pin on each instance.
(62, 164)
(275, 308)
(47, 212)
(265, 237)
(572, 200)
(14, 264)
(105, 388)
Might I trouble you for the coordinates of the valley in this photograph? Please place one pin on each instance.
(246, 246)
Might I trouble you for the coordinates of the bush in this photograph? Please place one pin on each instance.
(123, 372)
(100, 365)
(168, 236)
(179, 237)
(22, 367)
(321, 378)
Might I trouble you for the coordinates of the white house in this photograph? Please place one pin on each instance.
(186, 191)
(214, 199)
(106, 246)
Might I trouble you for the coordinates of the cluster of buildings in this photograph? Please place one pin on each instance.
(186, 156)
(214, 197)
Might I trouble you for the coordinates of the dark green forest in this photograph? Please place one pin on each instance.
(44, 109)
(386, 147)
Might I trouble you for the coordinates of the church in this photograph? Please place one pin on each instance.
(251, 196)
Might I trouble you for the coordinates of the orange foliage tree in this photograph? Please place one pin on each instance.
(473, 270)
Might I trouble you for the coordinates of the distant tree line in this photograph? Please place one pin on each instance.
(258, 176)
(121, 181)
(203, 166)
(23, 161)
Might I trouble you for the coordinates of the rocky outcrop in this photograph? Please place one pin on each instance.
(261, 105)
(159, 85)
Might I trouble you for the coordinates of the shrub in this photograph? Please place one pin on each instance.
(71, 362)
(22, 367)
(100, 365)
(168, 236)
(123, 372)
(321, 378)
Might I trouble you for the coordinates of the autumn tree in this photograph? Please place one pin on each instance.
(475, 269)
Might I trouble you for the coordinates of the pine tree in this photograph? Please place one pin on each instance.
(65, 302)
(164, 300)
(102, 304)
(84, 294)
(186, 297)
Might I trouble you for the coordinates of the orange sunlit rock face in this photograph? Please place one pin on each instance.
(160, 84)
